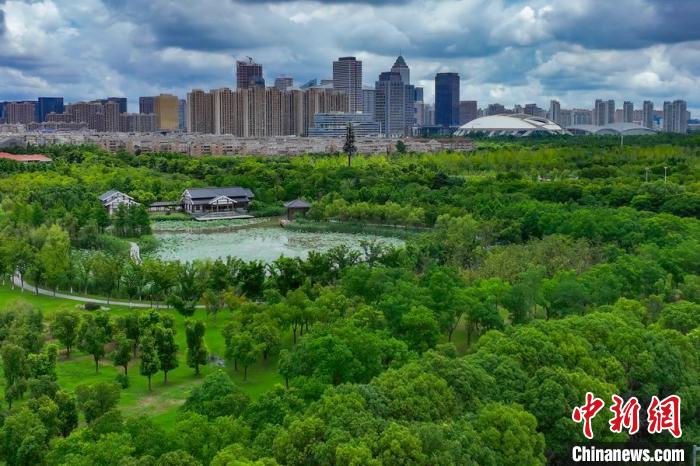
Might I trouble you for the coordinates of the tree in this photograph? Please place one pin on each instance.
(243, 348)
(92, 338)
(150, 364)
(122, 352)
(511, 433)
(14, 365)
(400, 147)
(129, 325)
(197, 352)
(217, 396)
(420, 328)
(54, 256)
(167, 350)
(67, 417)
(23, 439)
(349, 146)
(96, 399)
(64, 328)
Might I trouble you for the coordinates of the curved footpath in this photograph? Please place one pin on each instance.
(84, 299)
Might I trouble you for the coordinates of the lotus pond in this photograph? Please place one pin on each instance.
(265, 243)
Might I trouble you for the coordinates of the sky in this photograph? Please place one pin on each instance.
(506, 51)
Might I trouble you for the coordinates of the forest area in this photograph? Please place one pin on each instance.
(533, 272)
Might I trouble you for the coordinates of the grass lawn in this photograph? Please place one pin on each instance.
(163, 401)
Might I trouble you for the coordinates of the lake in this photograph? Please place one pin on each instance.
(258, 243)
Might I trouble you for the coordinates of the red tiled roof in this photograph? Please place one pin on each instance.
(25, 157)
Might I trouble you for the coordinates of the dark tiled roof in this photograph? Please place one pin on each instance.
(297, 203)
(210, 193)
(108, 194)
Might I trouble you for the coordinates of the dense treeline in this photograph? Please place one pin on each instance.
(550, 269)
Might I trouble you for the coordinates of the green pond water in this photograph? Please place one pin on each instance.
(258, 243)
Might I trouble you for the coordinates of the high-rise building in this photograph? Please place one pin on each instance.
(603, 112)
(627, 112)
(110, 111)
(467, 111)
(554, 111)
(199, 112)
(648, 114)
(495, 109)
(402, 68)
(610, 111)
(166, 108)
(447, 99)
(565, 118)
(534, 110)
(147, 105)
(676, 117)
(20, 112)
(581, 116)
(418, 94)
(394, 109)
(46, 105)
(335, 124)
(368, 100)
(181, 111)
(249, 74)
(89, 113)
(223, 101)
(284, 82)
(120, 101)
(347, 77)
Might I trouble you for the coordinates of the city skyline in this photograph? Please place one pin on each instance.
(514, 52)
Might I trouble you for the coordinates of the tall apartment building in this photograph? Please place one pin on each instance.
(495, 109)
(394, 105)
(199, 112)
(166, 109)
(181, 111)
(137, 122)
(261, 112)
(368, 100)
(554, 111)
(284, 82)
(20, 112)
(110, 111)
(347, 77)
(565, 118)
(603, 112)
(648, 114)
(676, 117)
(46, 105)
(582, 116)
(120, 101)
(627, 112)
(147, 105)
(249, 74)
(447, 99)
(467, 111)
(89, 113)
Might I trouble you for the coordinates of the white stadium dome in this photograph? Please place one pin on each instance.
(518, 124)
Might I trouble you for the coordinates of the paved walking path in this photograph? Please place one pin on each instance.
(84, 299)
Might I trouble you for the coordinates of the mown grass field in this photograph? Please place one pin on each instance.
(163, 400)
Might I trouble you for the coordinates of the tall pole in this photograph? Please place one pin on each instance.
(665, 168)
(646, 174)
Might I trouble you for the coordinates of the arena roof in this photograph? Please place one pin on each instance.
(510, 125)
(615, 129)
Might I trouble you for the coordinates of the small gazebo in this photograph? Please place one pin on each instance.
(297, 206)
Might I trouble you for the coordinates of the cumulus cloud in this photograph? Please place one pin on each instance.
(511, 51)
